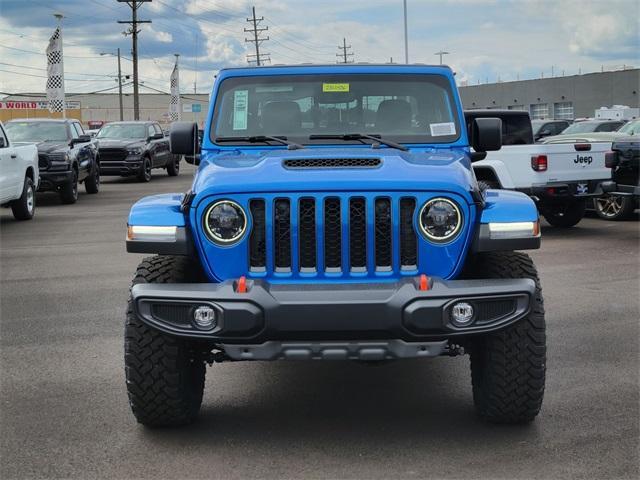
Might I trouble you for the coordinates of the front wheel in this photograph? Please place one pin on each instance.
(173, 168)
(565, 214)
(614, 207)
(508, 366)
(69, 192)
(144, 175)
(24, 207)
(92, 182)
(165, 374)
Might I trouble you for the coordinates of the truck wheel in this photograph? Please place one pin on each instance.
(173, 168)
(165, 376)
(24, 207)
(508, 366)
(69, 192)
(92, 182)
(566, 214)
(613, 207)
(144, 175)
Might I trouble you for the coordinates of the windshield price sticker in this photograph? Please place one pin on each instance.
(335, 87)
(240, 109)
(442, 129)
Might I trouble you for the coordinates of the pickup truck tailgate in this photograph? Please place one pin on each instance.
(570, 162)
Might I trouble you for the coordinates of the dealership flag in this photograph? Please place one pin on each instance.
(55, 73)
(174, 104)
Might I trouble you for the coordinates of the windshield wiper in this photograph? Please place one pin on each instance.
(360, 136)
(261, 139)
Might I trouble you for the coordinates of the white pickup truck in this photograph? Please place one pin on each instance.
(559, 177)
(19, 176)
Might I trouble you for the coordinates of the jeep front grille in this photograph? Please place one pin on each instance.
(307, 163)
(332, 234)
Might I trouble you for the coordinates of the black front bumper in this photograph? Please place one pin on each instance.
(274, 314)
(54, 181)
(123, 168)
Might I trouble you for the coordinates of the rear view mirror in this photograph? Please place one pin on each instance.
(183, 139)
(486, 134)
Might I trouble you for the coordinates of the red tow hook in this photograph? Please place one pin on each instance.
(241, 285)
(424, 283)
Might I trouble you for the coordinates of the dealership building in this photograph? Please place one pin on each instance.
(570, 97)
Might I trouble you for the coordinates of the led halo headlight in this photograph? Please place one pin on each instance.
(225, 222)
(440, 220)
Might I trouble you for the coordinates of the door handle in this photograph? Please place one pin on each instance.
(13, 155)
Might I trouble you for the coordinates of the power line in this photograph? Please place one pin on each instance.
(257, 40)
(347, 57)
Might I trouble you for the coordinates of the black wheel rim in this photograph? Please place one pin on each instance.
(74, 185)
(177, 166)
(147, 169)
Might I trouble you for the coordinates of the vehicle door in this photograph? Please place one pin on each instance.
(163, 145)
(155, 151)
(9, 168)
(83, 151)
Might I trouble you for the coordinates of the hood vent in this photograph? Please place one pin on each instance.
(307, 163)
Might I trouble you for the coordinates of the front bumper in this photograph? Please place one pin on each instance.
(124, 168)
(366, 321)
(54, 180)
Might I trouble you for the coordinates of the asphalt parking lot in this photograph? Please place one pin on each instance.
(64, 411)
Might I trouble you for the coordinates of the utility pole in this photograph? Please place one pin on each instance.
(119, 82)
(441, 53)
(133, 31)
(260, 58)
(195, 75)
(406, 34)
(345, 54)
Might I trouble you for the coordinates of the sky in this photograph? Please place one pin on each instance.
(487, 40)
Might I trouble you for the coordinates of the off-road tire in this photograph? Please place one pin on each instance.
(614, 207)
(144, 175)
(24, 207)
(69, 192)
(173, 167)
(508, 366)
(165, 374)
(565, 215)
(92, 182)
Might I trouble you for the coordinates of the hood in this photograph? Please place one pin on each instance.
(584, 137)
(271, 170)
(116, 143)
(50, 147)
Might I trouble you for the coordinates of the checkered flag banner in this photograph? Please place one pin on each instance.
(174, 104)
(55, 73)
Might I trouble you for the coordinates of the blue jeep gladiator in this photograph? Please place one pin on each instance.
(334, 215)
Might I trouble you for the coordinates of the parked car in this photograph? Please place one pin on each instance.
(624, 160)
(66, 155)
(546, 128)
(135, 148)
(589, 126)
(560, 178)
(311, 232)
(18, 176)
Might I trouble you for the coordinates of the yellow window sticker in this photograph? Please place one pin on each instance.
(335, 87)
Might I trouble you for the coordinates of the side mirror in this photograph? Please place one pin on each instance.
(183, 139)
(155, 136)
(192, 159)
(80, 139)
(2, 142)
(486, 134)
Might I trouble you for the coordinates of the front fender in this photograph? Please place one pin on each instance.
(509, 221)
(157, 225)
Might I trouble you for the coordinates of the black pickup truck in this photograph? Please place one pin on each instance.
(66, 155)
(135, 148)
(624, 161)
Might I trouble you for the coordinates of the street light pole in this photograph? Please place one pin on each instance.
(120, 87)
(441, 53)
(406, 34)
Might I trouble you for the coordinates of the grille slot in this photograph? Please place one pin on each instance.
(112, 154)
(43, 161)
(332, 234)
(492, 310)
(383, 239)
(306, 163)
(307, 234)
(408, 239)
(257, 243)
(282, 234)
(358, 234)
(175, 313)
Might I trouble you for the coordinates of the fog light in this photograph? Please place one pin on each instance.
(462, 314)
(205, 317)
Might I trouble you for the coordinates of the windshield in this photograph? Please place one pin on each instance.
(631, 128)
(36, 132)
(581, 127)
(401, 108)
(537, 125)
(123, 131)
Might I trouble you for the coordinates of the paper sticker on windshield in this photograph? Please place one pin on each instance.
(442, 129)
(335, 87)
(240, 109)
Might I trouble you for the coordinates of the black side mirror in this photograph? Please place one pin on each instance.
(486, 134)
(183, 139)
(2, 143)
(80, 139)
(192, 159)
(155, 136)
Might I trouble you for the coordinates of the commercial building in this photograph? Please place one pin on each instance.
(570, 97)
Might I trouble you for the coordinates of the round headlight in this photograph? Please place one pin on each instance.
(440, 220)
(225, 222)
